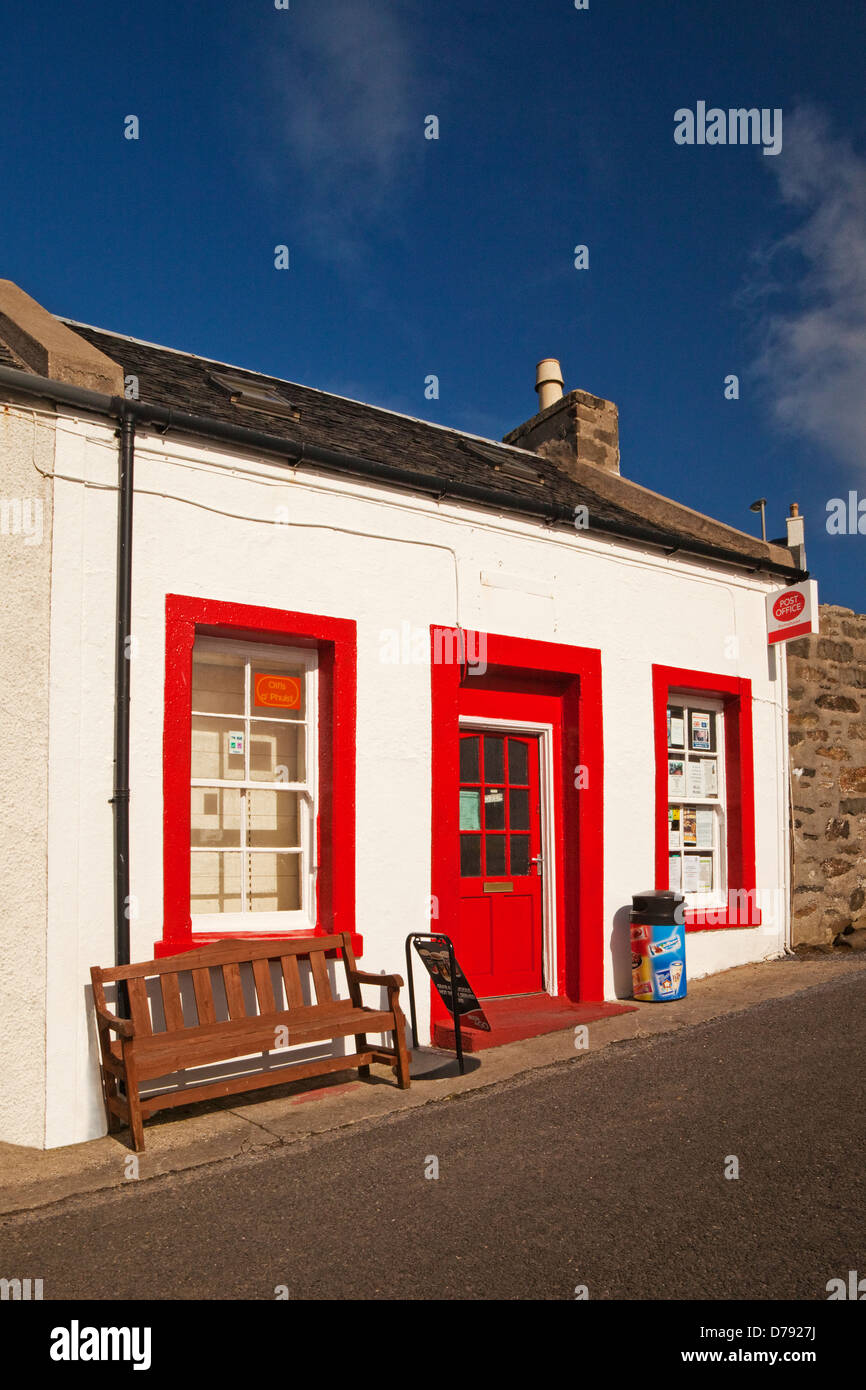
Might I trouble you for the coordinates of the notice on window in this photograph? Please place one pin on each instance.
(275, 691)
(690, 873)
(701, 731)
(690, 832)
(705, 873)
(675, 872)
(674, 827)
(710, 776)
(704, 829)
(676, 727)
(236, 744)
(676, 777)
(470, 810)
(694, 778)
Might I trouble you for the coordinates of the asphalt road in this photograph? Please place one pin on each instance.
(607, 1172)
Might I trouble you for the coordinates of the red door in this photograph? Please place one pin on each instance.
(499, 942)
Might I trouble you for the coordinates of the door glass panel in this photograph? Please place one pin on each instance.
(215, 817)
(215, 882)
(274, 883)
(273, 820)
(470, 810)
(494, 759)
(494, 808)
(217, 749)
(518, 761)
(469, 760)
(518, 810)
(520, 854)
(495, 848)
(470, 856)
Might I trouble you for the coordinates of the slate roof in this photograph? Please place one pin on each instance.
(186, 382)
(10, 359)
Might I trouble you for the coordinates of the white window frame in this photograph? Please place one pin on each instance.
(304, 918)
(696, 701)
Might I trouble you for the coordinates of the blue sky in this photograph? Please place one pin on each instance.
(454, 257)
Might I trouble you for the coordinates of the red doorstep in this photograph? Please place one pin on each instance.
(524, 1016)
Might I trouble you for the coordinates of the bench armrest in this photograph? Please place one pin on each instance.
(123, 1026)
(364, 977)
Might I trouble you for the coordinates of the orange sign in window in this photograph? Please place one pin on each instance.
(280, 692)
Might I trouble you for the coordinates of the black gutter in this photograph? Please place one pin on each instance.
(295, 451)
(122, 672)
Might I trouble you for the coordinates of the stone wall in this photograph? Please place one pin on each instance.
(827, 734)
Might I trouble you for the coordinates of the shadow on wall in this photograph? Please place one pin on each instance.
(620, 949)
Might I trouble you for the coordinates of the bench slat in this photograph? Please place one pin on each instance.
(201, 983)
(234, 990)
(223, 953)
(264, 988)
(319, 967)
(292, 978)
(171, 1003)
(139, 1007)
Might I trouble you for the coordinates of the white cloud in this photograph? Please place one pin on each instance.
(346, 114)
(813, 359)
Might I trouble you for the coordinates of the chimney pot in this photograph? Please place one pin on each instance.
(548, 382)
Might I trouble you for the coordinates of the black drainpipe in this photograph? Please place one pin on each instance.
(122, 672)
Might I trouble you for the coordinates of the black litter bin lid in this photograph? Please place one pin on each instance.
(656, 904)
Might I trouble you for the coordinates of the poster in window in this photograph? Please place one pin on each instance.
(705, 873)
(673, 827)
(675, 872)
(694, 778)
(470, 810)
(676, 727)
(710, 776)
(690, 831)
(690, 873)
(704, 830)
(676, 777)
(702, 740)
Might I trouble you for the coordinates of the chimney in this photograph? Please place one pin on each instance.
(796, 535)
(46, 347)
(573, 429)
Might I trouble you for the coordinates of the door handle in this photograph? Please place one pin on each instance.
(537, 860)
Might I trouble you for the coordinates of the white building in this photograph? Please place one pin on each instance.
(384, 677)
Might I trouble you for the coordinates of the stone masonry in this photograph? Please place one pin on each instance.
(827, 735)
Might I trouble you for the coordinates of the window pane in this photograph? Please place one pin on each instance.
(215, 817)
(494, 808)
(277, 752)
(470, 856)
(520, 854)
(215, 882)
(276, 693)
(495, 847)
(494, 759)
(273, 820)
(518, 761)
(218, 749)
(518, 810)
(274, 882)
(218, 683)
(469, 760)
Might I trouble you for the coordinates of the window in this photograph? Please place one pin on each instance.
(253, 786)
(697, 853)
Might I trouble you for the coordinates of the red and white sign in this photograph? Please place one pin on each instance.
(792, 612)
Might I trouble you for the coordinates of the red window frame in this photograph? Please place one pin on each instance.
(735, 692)
(335, 640)
(578, 741)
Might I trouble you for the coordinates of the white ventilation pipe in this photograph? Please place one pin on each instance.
(548, 382)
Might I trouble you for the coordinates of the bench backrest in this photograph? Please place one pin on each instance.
(227, 957)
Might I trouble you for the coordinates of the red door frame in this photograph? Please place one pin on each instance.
(579, 820)
(335, 639)
(735, 692)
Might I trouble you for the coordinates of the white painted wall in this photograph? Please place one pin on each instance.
(637, 610)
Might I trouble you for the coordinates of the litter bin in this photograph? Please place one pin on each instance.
(658, 946)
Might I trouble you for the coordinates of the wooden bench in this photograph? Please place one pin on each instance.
(277, 1017)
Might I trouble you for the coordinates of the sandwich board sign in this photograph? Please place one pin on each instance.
(792, 612)
(437, 955)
